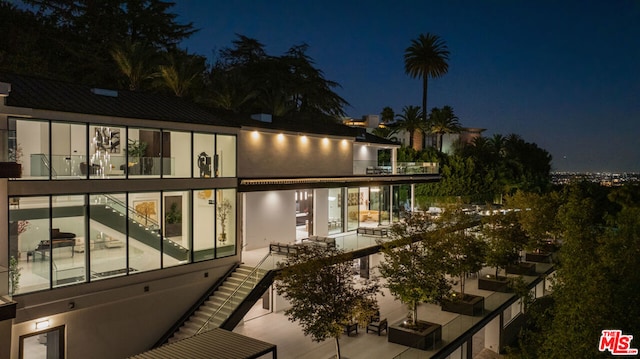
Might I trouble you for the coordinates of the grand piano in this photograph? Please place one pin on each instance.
(58, 240)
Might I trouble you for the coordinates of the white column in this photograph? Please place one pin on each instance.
(394, 161)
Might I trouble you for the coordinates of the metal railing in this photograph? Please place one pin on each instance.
(252, 278)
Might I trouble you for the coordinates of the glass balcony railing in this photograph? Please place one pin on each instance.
(362, 167)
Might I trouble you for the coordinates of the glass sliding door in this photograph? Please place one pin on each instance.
(353, 199)
(336, 210)
(176, 222)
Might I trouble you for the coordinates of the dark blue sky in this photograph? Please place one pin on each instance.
(562, 74)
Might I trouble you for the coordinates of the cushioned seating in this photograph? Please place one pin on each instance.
(377, 326)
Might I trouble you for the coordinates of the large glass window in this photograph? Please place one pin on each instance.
(144, 231)
(336, 210)
(204, 212)
(68, 230)
(29, 241)
(225, 160)
(176, 154)
(175, 227)
(353, 200)
(144, 149)
(107, 241)
(225, 223)
(32, 147)
(69, 150)
(107, 155)
(203, 155)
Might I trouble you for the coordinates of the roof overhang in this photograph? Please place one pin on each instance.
(216, 343)
(278, 184)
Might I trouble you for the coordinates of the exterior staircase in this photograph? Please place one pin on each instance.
(224, 302)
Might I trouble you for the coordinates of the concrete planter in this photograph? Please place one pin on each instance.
(472, 305)
(542, 257)
(501, 284)
(425, 338)
(523, 268)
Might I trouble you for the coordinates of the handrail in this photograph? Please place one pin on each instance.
(119, 202)
(232, 295)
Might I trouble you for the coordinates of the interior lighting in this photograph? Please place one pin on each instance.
(42, 324)
(375, 189)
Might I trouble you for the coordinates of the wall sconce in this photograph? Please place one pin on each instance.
(42, 325)
(303, 139)
(255, 135)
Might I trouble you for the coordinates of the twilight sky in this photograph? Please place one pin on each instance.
(563, 74)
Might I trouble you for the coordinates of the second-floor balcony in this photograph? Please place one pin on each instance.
(364, 167)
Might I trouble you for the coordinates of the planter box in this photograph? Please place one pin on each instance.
(522, 269)
(424, 339)
(495, 285)
(472, 305)
(543, 257)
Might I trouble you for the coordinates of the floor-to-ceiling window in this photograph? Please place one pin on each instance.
(144, 231)
(176, 228)
(225, 222)
(68, 230)
(29, 230)
(203, 155)
(32, 147)
(336, 210)
(68, 150)
(353, 200)
(107, 240)
(176, 154)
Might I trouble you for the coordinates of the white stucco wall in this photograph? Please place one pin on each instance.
(268, 154)
(269, 217)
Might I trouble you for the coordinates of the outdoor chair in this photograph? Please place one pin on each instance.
(377, 326)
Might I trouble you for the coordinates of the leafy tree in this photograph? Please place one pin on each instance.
(426, 57)
(247, 79)
(441, 121)
(411, 121)
(466, 251)
(87, 31)
(415, 264)
(324, 297)
(537, 214)
(505, 239)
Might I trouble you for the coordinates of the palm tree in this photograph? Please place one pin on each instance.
(441, 121)
(137, 63)
(182, 72)
(426, 57)
(410, 120)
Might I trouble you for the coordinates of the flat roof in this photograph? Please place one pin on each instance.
(214, 344)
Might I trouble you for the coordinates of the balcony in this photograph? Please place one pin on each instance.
(361, 167)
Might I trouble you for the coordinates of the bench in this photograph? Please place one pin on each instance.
(373, 231)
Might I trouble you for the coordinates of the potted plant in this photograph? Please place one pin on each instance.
(173, 221)
(14, 276)
(466, 253)
(223, 212)
(505, 239)
(414, 267)
(135, 151)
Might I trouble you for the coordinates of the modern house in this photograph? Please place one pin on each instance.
(130, 206)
